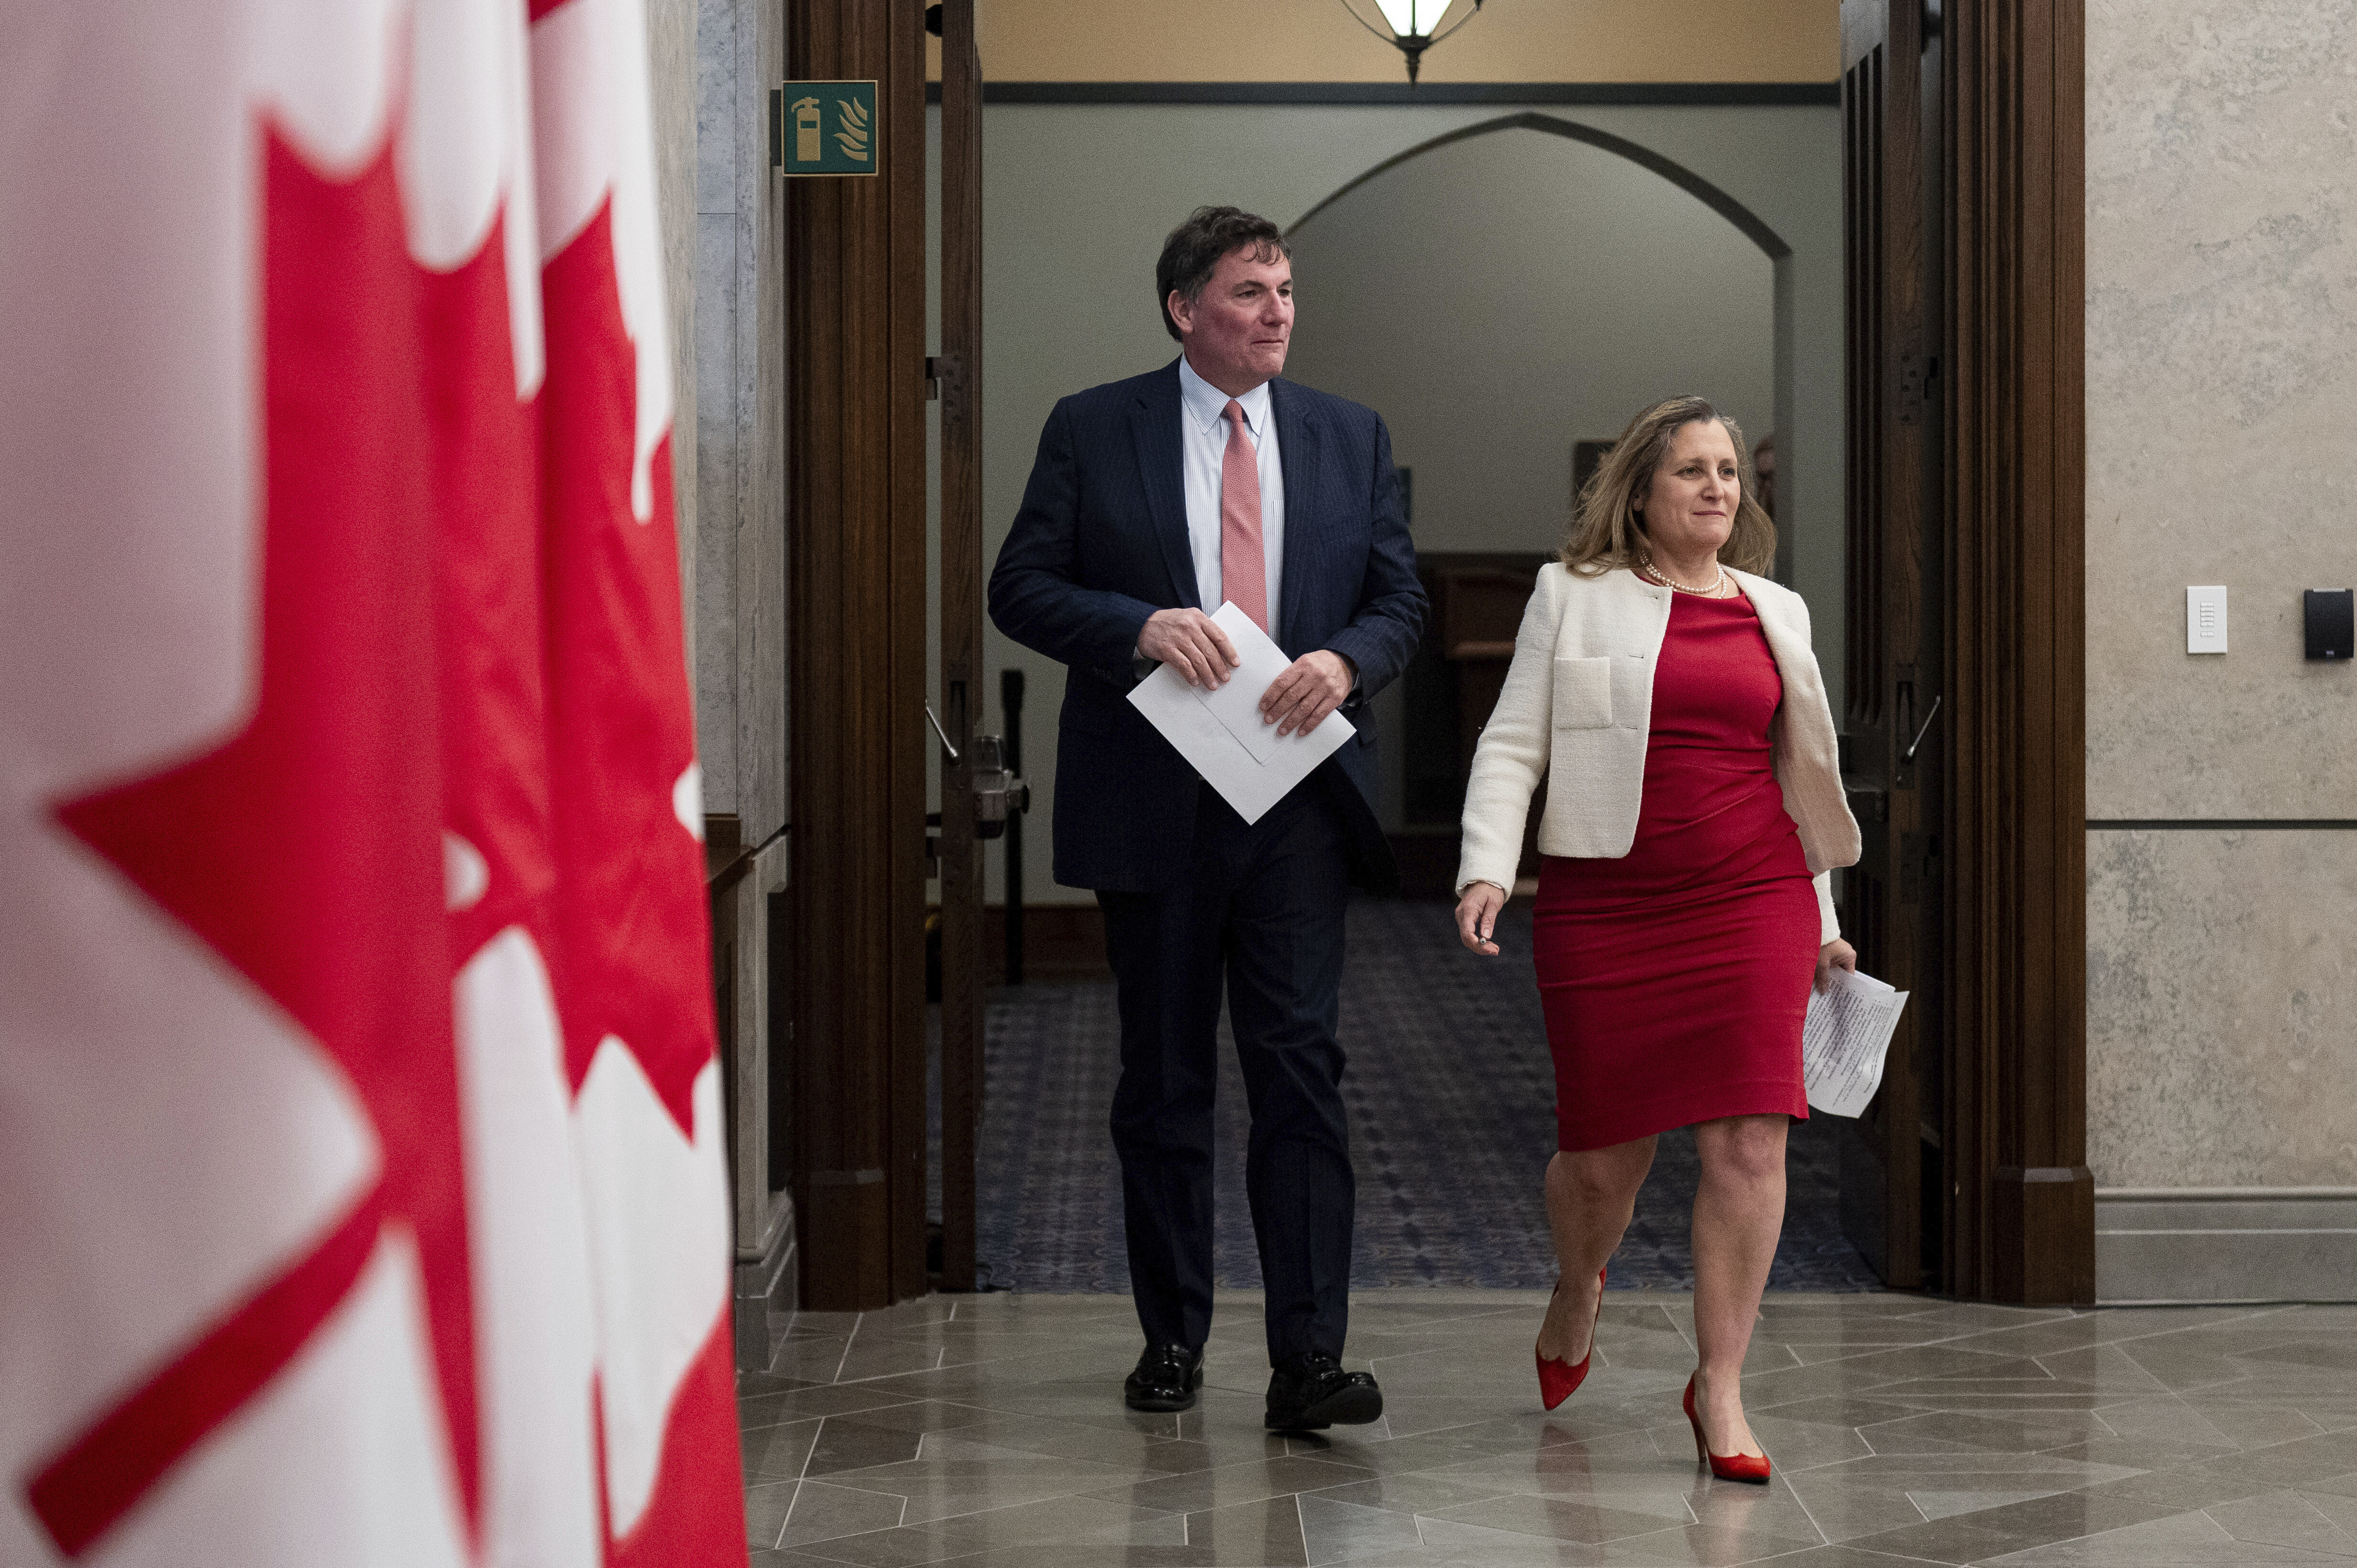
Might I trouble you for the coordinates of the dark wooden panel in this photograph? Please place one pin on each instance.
(1446, 694)
(1863, 286)
(1061, 943)
(901, 98)
(1889, 208)
(855, 447)
(845, 1215)
(961, 634)
(2022, 1222)
(1480, 609)
(1429, 858)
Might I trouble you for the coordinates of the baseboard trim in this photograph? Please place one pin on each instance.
(763, 1285)
(2171, 1246)
(1061, 943)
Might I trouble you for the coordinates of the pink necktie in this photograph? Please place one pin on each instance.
(1244, 569)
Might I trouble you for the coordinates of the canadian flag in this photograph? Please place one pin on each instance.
(361, 1193)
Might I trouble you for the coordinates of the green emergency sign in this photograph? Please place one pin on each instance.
(825, 128)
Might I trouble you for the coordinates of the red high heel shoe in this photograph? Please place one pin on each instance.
(1558, 1379)
(1726, 1466)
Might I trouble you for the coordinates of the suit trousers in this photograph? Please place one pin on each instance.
(1261, 917)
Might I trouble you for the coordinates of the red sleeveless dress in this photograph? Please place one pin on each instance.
(1675, 978)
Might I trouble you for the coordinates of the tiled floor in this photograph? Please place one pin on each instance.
(989, 1430)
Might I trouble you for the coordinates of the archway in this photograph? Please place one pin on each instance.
(1506, 296)
(1718, 201)
(1661, 201)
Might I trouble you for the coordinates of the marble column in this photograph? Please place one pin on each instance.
(740, 582)
(671, 64)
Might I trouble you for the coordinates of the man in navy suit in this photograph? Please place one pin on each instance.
(1152, 500)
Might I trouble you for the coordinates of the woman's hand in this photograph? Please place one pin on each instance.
(1835, 954)
(1476, 915)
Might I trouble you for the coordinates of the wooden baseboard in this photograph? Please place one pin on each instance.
(1061, 943)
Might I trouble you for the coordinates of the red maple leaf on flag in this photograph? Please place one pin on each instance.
(304, 849)
(634, 944)
(634, 940)
(437, 776)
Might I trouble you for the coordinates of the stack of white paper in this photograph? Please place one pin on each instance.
(1845, 1039)
(1220, 732)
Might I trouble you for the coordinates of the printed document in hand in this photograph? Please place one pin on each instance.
(1844, 1041)
(1220, 732)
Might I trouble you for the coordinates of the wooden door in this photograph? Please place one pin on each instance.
(1893, 758)
(959, 367)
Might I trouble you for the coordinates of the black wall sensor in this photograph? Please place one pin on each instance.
(2331, 623)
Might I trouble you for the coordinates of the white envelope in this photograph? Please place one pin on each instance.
(1220, 732)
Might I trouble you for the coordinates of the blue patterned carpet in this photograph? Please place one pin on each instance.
(1451, 1095)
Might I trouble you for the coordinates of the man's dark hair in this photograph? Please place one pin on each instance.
(1192, 253)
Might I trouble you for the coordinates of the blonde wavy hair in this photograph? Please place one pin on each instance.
(1607, 532)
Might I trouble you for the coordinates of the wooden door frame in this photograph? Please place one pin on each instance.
(2021, 1204)
(961, 862)
(1891, 627)
(855, 660)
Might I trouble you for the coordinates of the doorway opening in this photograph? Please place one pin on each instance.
(1506, 295)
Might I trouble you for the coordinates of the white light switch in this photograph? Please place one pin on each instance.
(2205, 620)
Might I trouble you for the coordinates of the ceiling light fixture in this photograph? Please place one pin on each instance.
(1412, 26)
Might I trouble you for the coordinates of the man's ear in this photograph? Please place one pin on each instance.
(1182, 311)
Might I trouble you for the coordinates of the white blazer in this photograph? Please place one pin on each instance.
(1579, 704)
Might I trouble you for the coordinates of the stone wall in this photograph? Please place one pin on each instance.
(670, 68)
(740, 576)
(2222, 367)
(737, 243)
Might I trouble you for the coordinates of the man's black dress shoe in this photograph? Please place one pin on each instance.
(1165, 1378)
(1311, 1393)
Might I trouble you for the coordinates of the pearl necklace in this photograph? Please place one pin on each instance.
(1645, 565)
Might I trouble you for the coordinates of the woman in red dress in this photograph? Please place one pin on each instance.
(1670, 698)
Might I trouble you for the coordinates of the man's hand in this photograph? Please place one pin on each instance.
(1191, 641)
(1311, 687)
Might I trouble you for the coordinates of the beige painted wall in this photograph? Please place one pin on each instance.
(2222, 367)
(1313, 40)
(1501, 297)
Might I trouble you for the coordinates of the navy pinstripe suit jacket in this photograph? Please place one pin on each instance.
(1101, 543)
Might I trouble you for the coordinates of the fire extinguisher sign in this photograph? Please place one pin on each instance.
(826, 128)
